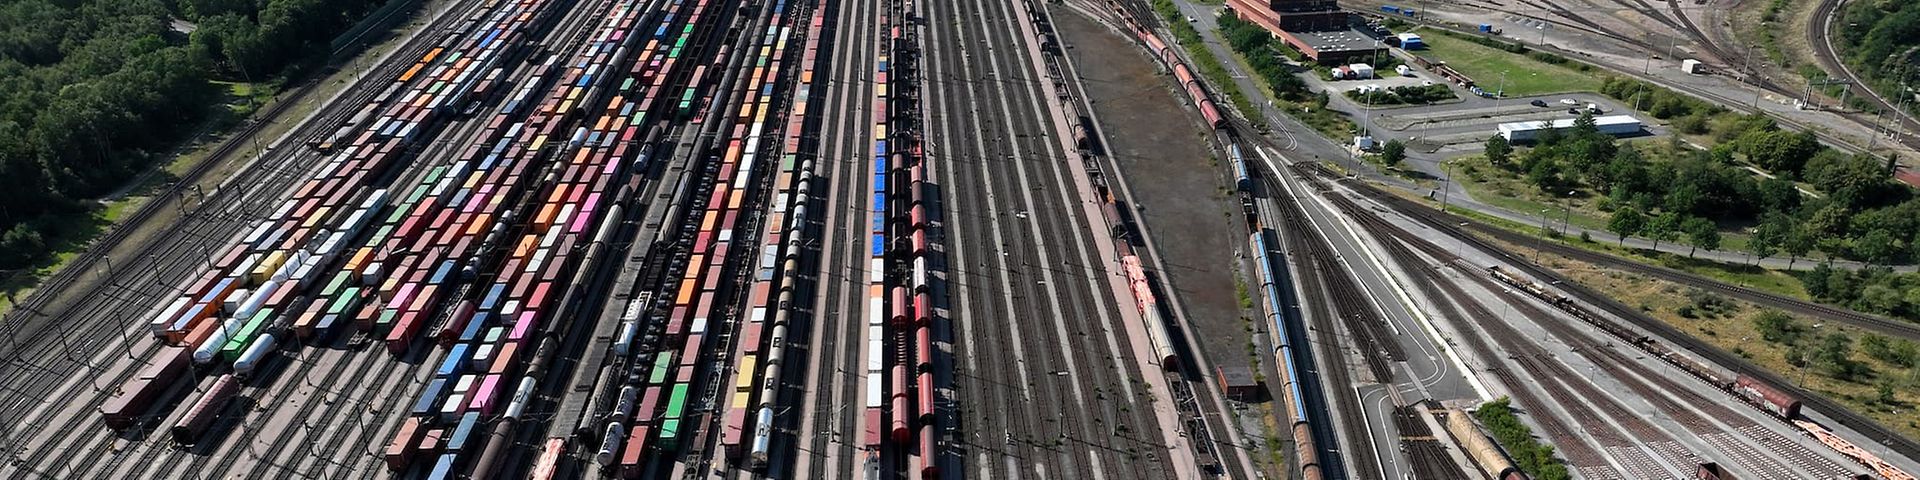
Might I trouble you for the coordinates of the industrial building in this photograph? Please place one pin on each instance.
(1317, 28)
(1616, 125)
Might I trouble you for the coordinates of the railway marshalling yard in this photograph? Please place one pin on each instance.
(816, 239)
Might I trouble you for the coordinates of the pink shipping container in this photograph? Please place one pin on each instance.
(484, 394)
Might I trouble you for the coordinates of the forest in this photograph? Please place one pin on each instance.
(1878, 41)
(92, 92)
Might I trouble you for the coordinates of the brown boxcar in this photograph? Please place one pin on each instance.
(134, 397)
(200, 416)
(1767, 397)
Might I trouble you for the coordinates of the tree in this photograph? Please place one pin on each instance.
(1544, 175)
(1798, 243)
(93, 91)
(1770, 234)
(1626, 222)
(1778, 195)
(1393, 152)
(1876, 247)
(1777, 327)
(1701, 233)
(1852, 182)
(1897, 352)
(1498, 150)
(19, 246)
(1664, 227)
(1779, 151)
(1835, 357)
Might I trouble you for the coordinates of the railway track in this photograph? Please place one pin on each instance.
(1820, 36)
(1582, 455)
(1752, 460)
(1021, 237)
(1316, 287)
(277, 169)
(1896, 328)
(1446, 223)
(36, 302)
(1427, 454)
(828, 433)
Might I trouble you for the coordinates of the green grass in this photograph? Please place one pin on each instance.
(66, 235)
(1525, 76)
(1501, 188)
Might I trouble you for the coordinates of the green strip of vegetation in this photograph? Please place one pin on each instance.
(1770, 37)
(1404, 95)
(1529, 455)
(1255, 46)
(1209, 65)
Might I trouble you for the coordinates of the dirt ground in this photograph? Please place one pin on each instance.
(1790, 32)
(1181, 189)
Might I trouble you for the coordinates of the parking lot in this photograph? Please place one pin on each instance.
(1449, 129)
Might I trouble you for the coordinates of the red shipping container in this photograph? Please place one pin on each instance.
(733, 429)
(872, 427)
(400, 451)
(631, 457)
(750, 337)
(538, 300)
(926, 391)
(202, 330)
(403, 332)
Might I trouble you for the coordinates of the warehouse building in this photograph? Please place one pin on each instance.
(1317, 28)
(1616, 125)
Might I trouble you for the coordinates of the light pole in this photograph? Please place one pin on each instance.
(1541, 243)
(1502, 92)
(1566, 219)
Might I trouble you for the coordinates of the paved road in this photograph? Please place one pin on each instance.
(1302, 140)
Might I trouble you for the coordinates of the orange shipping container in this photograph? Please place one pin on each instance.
(200, 334)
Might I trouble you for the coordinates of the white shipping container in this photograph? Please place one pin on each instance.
(235, 299)
(874, 394)
(161, 322)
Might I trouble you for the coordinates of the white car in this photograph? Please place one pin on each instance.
(1569, 102)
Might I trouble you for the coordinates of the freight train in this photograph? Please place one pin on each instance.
(1754, 392)
(259, 290)
(1160, 50)
(1286, 354)
(1772, 399)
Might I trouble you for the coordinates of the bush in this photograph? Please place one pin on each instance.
(1529, 455)
(19, 246)
(1778, 327)
(1658, 101)
(1404, 95)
